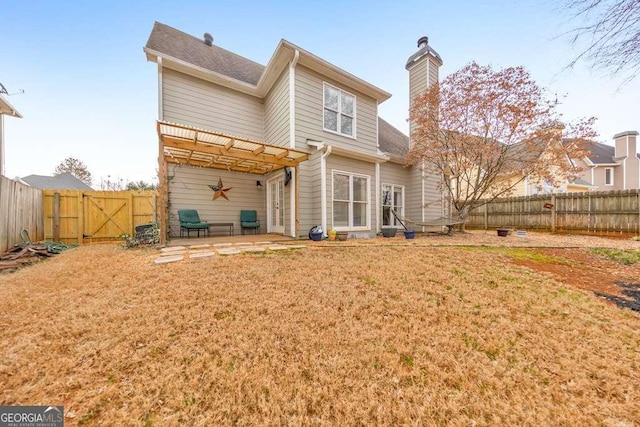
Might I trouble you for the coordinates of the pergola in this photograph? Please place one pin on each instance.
(186, 145)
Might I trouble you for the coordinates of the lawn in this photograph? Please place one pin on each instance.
(392, 335)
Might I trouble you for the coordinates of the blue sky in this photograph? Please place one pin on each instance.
(89, 92)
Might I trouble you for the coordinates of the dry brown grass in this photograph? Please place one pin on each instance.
(322, 336)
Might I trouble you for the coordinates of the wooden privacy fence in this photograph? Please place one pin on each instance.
(595, 212)
(20, 209)
(74, 216)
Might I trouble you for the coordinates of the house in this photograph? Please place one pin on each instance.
(614, 167)
(63, 181)
(298, 140)
(6, 109)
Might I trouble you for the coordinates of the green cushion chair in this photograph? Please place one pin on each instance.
(249, 220)
(190, 220)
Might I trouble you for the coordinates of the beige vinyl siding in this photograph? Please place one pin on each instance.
(433, 71)
(276, 112)
(435, 205)
(418, 79)
(633, 172)
(195, 102)
(188, 189)
(309, 115)
(309, 197)
(348, 165)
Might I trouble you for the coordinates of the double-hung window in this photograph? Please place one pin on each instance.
(392, 198)
(350, 201)
(608, 176)
(339, 111)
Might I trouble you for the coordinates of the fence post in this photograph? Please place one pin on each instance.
(553, 213)
(486, 216)
(56, 217)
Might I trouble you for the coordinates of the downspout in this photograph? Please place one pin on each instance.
(160, 100)
(294, 217)
(422, 189)
(323, 186)
(1, 144)
(378, 207)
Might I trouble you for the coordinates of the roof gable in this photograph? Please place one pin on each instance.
(191, 55)
(182, 46)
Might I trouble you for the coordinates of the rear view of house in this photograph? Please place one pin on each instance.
(298, 140)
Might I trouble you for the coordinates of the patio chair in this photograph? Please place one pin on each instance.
(190, 220)
(249, 220)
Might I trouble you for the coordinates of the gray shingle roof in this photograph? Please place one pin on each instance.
(64, 181)
(391, 140)
(601, 153)
(182, 46)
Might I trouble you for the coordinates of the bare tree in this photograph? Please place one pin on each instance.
(483, 132)
(76, 167)
(610, 31)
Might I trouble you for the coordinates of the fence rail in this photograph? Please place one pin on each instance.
(20, 209)
(606, 212)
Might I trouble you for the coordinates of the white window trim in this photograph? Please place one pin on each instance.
(612, 177)
(382, 205)
(355, 103)
(350, 227)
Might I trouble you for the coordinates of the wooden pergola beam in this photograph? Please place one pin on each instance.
(181, 144)
(223, 166)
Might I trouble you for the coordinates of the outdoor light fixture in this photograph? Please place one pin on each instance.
(258, 184)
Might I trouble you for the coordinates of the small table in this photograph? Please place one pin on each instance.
(223, 224)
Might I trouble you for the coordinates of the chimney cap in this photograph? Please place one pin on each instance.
(208, 39)
(423, 41)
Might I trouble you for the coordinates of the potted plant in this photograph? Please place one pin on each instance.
(332, 234)
(409, 234)
(388, 231)
(342, 235)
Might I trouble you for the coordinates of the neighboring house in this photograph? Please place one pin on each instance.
(305, 130)
(64, 181)
(6, 109)
(614, 167)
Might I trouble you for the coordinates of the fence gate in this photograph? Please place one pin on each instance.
(93, 216)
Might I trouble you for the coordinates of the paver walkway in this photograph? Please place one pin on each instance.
(183, 253)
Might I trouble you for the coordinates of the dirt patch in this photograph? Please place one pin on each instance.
(584, 269)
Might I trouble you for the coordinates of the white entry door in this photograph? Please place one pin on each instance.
(275, 211)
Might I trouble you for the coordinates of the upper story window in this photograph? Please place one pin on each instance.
(339, 111)
(608, 176)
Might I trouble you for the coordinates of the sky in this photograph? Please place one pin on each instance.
(89, 92)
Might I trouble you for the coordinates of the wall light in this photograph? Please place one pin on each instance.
(258, 184)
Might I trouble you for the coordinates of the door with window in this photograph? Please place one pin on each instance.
(392, 199)
(275, 210)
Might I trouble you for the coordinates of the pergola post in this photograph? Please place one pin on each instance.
(163, 194)
(297, 199)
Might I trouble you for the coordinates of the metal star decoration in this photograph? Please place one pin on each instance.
(219, 190)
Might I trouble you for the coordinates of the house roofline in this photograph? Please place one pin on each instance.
(326, 68)
(7, 109)
(208, 75)
(625, 133)
(282, 55)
